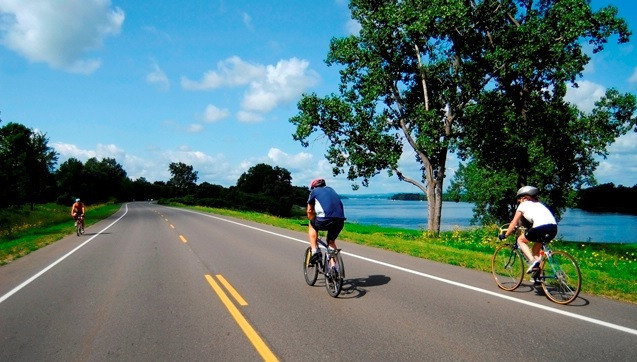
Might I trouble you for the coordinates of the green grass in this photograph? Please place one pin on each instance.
(608, 270)
(24, 231)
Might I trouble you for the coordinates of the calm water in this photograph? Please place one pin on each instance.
(576, 225)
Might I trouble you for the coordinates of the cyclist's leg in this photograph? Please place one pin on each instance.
(523, 243)
(312, 235)
(335, 228)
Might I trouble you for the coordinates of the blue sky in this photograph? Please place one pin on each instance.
(211, 84)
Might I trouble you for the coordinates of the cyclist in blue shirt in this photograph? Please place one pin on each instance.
(325, 212)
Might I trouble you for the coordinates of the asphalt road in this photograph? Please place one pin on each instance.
(167, 284)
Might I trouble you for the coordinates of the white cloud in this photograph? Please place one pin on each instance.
(268, 86)
(214, 114)
(58, 33)
(353, 27)
(194, 128)
(633, 77)
(247, 21)
(585, 96)
(249, 117)
(298, 161)
(230, 72)
(67, 150)
(282, 83)
(158, 77)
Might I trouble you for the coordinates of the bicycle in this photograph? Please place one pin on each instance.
(558, 272)
(79, 229)
(334, 274)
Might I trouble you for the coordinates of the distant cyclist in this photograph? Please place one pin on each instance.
(325, 212)
(77, 211)
(543, 224)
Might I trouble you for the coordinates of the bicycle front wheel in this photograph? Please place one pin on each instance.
(507, 267)
(310, 270)
(334, 278)
(78, 227)
(562, 279)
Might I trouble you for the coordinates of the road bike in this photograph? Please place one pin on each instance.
(330, 264)
(558, 272)
(79, 229)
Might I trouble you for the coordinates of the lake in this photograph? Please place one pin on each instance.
(576, 225)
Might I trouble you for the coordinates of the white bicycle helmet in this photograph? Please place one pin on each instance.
(527, 190)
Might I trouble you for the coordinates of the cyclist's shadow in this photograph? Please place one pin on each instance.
(356, 288)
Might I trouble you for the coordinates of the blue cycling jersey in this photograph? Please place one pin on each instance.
(327, 204)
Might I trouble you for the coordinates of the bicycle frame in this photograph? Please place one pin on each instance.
(558, 272)
(334, 276)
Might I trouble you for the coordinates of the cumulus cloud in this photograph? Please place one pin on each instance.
(282, 83)
(59, 33)
(214, 114)
(194, 128)
(267, 86)
(247, 21)
(158, 77)
(249, 117)
(585, 96)
(353, 27)
(298, 161)
(633, 77)
(230, 72)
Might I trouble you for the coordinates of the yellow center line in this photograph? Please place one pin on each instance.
(252, 334)
(232, 291)
(183, 239)
(172, 226)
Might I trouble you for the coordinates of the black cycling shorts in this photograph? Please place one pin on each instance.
(333, 226)
(542, 233)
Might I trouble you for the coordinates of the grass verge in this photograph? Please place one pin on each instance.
(27, 230)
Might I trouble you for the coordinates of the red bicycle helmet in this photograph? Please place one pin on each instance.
(319, 182)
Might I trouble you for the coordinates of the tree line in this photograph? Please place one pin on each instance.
(602, 198)
(29, 176)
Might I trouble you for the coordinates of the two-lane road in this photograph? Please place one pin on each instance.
(159, 283)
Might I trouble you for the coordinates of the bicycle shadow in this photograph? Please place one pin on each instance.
(357, 287)
(537, 288)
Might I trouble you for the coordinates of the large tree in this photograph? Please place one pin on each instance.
(523, 131)
(184, 178)
(406, 79)
(26, 165)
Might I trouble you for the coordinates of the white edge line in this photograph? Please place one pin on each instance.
(28, 281)
(462, 285)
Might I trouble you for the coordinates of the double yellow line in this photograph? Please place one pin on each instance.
(247, 329)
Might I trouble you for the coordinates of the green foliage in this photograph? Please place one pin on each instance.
(523, 132)
(184, 178)
(405, 81)
(26, 163)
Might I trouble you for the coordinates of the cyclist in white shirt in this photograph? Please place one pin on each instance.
(543, 224)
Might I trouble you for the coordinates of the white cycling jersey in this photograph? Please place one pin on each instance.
(536, 213)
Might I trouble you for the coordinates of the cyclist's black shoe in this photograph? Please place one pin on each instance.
(315, 257)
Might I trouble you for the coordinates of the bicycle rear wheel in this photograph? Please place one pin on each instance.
(334, 278)
(562, 279)
(310, 270)
(507, 267)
